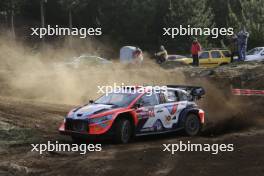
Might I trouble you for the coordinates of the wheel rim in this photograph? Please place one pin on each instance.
(125, 131)
(192, 125)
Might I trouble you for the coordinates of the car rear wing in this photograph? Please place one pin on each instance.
(195, 91)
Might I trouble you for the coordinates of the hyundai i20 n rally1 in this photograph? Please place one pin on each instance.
(124, 115)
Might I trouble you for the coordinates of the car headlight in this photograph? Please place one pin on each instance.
(101, 119)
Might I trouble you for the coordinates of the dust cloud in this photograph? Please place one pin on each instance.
(41, 75)
(38, 74)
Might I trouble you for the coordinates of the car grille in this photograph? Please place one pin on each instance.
(77, 125)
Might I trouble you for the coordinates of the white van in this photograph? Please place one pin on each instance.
(131, 54)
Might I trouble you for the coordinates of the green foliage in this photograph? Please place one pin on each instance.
(187, 12)
(8, 5)
(251, 16)
(140, 22)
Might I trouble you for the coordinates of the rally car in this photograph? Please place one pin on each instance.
(123, 115)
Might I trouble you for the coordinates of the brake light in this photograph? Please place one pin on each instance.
(201, 116)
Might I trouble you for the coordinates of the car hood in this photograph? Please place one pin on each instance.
(183, 59)
(254, 57)
(88, 110)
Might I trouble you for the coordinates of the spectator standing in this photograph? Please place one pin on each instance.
(233, 46)
(242, 38)
(195, 49)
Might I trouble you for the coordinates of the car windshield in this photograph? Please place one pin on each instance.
(254, 51)
(117, 99)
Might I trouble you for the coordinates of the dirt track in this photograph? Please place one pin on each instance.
(24, 122)
(28, 75)
(230, 120)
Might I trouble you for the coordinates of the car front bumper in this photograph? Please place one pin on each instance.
(70, 127)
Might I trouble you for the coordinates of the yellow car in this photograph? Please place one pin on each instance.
(210, 58)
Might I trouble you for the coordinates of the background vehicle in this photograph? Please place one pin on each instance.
(131, 54)
(175, 57)
(123, 115)
(85, 60)
(171, 58)
(210, 58)
(255, 54)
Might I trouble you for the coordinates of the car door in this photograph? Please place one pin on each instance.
(216, 58)
(166, 111)
(174, 107)
(183, 102)
(204, 58)
(226, 55)
(146, 113)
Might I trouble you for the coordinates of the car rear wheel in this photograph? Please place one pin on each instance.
(192, 125)
(123, 131)
(77, 140)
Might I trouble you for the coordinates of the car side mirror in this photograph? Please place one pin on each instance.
(138, 105)
(91, 101)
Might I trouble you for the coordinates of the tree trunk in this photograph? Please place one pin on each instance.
(70, 25)
(70, 18)
(42, 16)
(12, 20)
(6, 19)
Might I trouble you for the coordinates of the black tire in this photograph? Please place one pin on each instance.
(192, 125)
(123, 131)
(223, 64)
(77, 140)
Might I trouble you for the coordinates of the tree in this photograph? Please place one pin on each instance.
(42, 15)
(129, 22)
(11, 8)
(70, 5)
(249, 15)
(3, 12)
(253, 20)
(187, 12)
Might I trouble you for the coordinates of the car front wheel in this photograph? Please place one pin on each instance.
(123, 131)
(192, 125)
